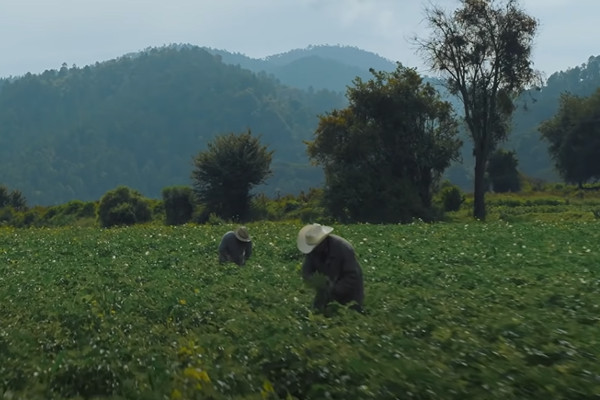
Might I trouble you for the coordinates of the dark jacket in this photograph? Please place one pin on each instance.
(335, 258)
(234, 250)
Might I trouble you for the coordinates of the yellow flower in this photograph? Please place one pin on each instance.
(196, 373)
(182, 301)
(267, 389)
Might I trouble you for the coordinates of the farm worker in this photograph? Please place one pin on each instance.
(331, 267)
(235, 246)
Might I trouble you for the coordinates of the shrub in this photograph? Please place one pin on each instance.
(502, 171)
(123, 206)
(451, 197)
(178, 204)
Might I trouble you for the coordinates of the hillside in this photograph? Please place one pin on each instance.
(139, 120)
(317, 67)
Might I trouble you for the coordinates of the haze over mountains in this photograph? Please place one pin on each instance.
(138, 120)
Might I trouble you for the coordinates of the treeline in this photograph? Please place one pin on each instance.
(124, 206)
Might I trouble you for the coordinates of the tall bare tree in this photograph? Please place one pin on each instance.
(483, 50)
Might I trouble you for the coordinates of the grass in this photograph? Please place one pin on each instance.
(453, 310)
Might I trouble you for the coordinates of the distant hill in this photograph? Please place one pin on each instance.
(138, 121)
(316, 67)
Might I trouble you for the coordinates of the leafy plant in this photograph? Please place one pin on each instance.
(123, 206)
(496, 310)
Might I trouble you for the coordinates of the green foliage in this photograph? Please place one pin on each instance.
(550, 205)
(484, 50)
(73, 213)
(451, 197)
(13, 198)
(574, 137)
(123, 206)
(70, 213)
(502, 171)
(306, 207)
(178, 203)
(383, 154)
(227, 170)
(476, 311)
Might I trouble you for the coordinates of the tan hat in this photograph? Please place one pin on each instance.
(241, 233)
(311, 235)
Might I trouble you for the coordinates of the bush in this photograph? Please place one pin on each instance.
(502, 171)
(178, 204)
(14, 199)
(123, 206)
(451, 197)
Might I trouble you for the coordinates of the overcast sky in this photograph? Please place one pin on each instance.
(36, 35)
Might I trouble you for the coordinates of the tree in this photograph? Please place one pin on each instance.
(14, 199)
(179, 204)
(227, 170)
(484, 51)
(383, 154)
(502, 171)
(4, 196)
(574, 137)
(123, 206)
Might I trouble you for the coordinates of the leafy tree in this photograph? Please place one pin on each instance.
(484, 51)
(227, 170)
(502, 171)
(451, 197)
(574, 137)
(13, 198)
(4, 196)
(179, 204)
(17, 200)
(123, 206)
(383, 154)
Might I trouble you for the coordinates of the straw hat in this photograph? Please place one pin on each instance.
(241, 233)
(311, 235)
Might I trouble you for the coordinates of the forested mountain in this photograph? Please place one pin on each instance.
(316, 67)
(139, 120)
(536, 106)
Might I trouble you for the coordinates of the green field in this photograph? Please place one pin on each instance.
(493, 310)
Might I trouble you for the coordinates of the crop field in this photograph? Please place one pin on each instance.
(493, 310)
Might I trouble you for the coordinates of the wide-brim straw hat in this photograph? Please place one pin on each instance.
(241, 233)
(310, 236)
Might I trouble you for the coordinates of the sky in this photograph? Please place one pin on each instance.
(36, 35)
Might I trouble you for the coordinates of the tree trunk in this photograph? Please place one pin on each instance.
(479, 191)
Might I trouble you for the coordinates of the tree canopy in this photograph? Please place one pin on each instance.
(574, 137)
(483, 50)
(502, 171)
(123, 206)
(13, 198)
(227, 170)
(383, 154)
